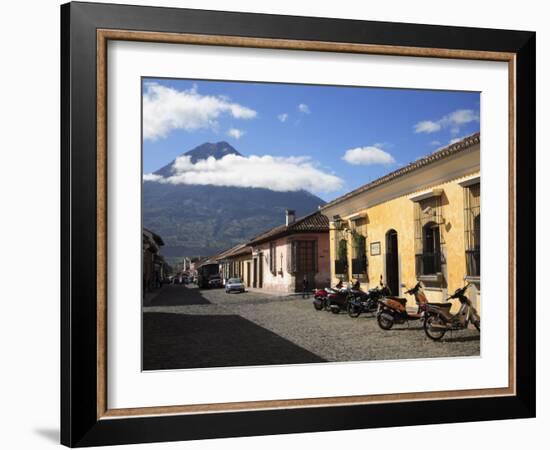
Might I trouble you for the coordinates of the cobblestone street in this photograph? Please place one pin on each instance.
(184, 327)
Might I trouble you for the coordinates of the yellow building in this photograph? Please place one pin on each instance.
(236, 263)
(418, 223)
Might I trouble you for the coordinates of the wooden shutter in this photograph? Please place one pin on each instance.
(292, 257)
(315, 255)
(289, 257)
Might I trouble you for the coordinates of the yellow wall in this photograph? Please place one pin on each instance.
(236, 267)
(399, 214)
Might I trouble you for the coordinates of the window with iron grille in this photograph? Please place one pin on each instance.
(428, 236)
(472, 229)
(359, 255)
(341, 262)
(359, 248)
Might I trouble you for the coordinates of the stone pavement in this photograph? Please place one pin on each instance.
(184, 327)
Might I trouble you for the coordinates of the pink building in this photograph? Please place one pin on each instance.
(286, 255)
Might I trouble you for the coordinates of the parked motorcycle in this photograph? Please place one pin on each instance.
(321, 296)
(338, 299)
(320, 299)
(332, 299)
(365, 302)
(392, 310)
(440, 319)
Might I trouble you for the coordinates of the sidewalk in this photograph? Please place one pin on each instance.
(276, 293)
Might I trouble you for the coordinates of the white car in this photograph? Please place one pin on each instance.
(234, 285)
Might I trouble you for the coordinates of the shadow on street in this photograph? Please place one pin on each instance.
(174, 295)
(181, 341)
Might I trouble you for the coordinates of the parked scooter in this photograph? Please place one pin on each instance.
(440, 319)
(365, 302)
(392, 310)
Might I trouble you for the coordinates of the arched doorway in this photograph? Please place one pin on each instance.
(392, 262)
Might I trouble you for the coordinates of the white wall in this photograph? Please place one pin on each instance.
(29, 322)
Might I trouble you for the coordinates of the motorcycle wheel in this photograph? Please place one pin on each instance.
(372, 308)
(335, 309)
(385, 321)
(433, 334)
(353, 310)
(318, 305)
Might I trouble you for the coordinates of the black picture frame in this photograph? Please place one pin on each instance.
(80, 425)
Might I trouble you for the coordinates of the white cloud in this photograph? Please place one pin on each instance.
(435, 143)
(270, 172)
(366, 156)
(152, 177)
(427, 126)
(235, 133)
(453, 121)
(166, 109)
(461, 117)
(282, 117)
(303, 108)
(455, 140)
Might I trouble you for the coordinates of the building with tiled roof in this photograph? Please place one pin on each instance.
(445, 152)
(292, 255)
(154, 266)
(421, 222)
(312, 223)
(236, 263)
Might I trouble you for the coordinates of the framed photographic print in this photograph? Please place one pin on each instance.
(223, 177)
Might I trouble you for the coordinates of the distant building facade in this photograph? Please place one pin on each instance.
(154, 265)
(237, 263)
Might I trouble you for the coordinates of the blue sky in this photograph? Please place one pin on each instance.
(381, 129)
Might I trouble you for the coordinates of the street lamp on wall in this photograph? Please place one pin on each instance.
(337, 220)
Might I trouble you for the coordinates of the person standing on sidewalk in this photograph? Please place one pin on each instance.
(305, 288)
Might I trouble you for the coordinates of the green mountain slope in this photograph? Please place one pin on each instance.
(202, 220)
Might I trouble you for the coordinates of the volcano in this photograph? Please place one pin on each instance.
(201, 220)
